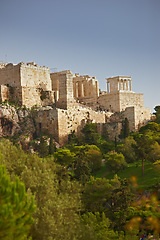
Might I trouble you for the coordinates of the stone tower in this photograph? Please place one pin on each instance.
(62, 83)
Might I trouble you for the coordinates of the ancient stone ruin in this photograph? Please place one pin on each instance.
(66, 101)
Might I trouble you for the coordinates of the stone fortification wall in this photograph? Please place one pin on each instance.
(75, 119)
(32, 75)
(4, 93)
(60, 122)
(25, 84)
(46, 120)
(129, 99)
(142, 117)
(10, 75)
(113, 129)
(137, 117)
(116, 102)
(35, 96)
(109, 102)
(62, 83)
(11, 94)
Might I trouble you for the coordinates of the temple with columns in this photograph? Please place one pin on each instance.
(72, 99)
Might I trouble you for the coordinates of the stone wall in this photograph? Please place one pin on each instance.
(109, 102)
(4, 93)
(63, 82)
(129, 99)
(32, 75)
(136, 116)
(142, 117)
(60, 122)
(34, 96)
(10, 75)
(116, 102)
(25, 83)
(46, 120)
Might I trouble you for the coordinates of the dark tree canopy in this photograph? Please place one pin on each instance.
(125, 129)
(15, 208)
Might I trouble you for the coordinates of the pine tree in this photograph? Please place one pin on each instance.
(52, 146)
(125, 129)
(43, 148)
(15, 209)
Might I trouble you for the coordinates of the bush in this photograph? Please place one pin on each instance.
(115, 162)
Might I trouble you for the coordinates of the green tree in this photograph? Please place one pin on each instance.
(16, 209)
(106, 146)
(97, 227)
(52, 146)
(113, 197)
(72, 138)
(128, 150)
(90, 155)
(81, 168)
(157, 113)
(105, 134)
(90, 135)
(64, 156)
(152, 126)
(94, 157)
(57, 198)
(125, 129)
(115, 161)
(43, 147)
(143, 146)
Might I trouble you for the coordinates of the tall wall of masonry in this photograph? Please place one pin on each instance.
(122, 102)
(62, 83)
(26, 83)
(119, 95)
(73, 99)
(60, 122)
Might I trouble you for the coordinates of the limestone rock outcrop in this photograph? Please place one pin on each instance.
(16, 122)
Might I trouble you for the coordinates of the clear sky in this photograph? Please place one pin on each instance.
(101, 38)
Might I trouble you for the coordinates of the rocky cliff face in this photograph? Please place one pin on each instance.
(16, 122)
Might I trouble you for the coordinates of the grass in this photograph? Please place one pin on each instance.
(134, 172)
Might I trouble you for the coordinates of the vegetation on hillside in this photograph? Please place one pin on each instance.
(92, 188)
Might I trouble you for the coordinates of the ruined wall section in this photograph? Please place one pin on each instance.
(136, 116)
(4, 93)
(85, 89)
(25, 83)
(142, 117)
(46, 120)
(33, 75)
(35, 96)
(109, 102)
(36, 85)
(129, 99)
(64, 81)
(10, 75)
(75, 119)
(116, 102)
(60, 122)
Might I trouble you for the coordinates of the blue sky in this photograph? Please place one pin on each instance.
(101, 38)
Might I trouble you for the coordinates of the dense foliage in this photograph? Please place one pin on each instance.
(16, 209)
(71, 202)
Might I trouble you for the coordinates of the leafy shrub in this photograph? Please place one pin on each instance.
(115, 161)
